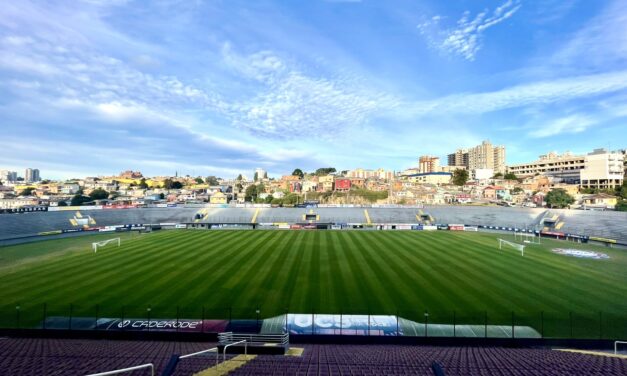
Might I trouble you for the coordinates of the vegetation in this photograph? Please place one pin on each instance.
(172, 184)
(324, 171)
(558, 198)
(79, 200)
(498, 175)
(143, 184)
(298, 172)
(98, 194)
(27, 191)
(510, 176)
(460, 177)
(199, 180)
(212, 180)
(373, 272)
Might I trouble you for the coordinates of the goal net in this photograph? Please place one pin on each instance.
(527, 237)
(516, 246)
(103, 243)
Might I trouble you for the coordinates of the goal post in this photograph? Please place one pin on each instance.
(516, 246)
(95, 245)
(527, 237)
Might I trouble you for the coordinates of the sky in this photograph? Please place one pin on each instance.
(221, 87)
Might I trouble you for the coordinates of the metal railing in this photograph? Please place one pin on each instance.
(254, 339)
(203, 352)
(129, 369)
(233, 344)
(616, 346)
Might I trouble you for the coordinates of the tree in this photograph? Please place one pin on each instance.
(621, 205)
(298, 172)
(98, 194)
(558, 198)
(161, 196)
(62, 203)
(79, 200)
(460, 177)
(27, 191)
(177, 185)
(510, 176)
(143, 184)
(172, 184)
(211, 180)
(199, 180)
(324, 171)
(517, 190)
(251, 193)
(239, 177)
(498, 175)
(256, 177)
(269, 199)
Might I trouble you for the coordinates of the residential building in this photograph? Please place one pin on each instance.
(325, 183)
(599, 201)
(261, 173)
(495, 192)
(431, 178)
(7, 176)
(428, 163)
(218, 198)
(603, 170)
(484, 156)
(368, 174)
(129, 174)
(31, 175)
(565, 167)
(599, 169)
(342, 184)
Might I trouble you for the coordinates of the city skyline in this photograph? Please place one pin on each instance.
(222, 88)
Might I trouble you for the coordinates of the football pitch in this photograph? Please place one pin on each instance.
(233, 274)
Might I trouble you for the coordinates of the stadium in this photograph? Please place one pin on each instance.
(315, 290)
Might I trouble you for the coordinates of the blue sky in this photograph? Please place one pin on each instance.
(220, 87)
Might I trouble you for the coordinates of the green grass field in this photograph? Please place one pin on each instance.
(319, 271)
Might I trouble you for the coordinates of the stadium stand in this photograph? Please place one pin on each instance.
(27, 357)
(600, 224)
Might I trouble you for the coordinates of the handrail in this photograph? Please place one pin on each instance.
(122, 370)
(202, 352)
(198, 353)
(616, 346)
(235, 343)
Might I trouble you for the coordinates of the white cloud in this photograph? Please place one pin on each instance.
(465, 38)
(571, 124)
(542, 92)
(292, 104)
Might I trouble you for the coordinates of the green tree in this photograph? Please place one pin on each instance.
(177, 185)
(517, 190)
(199, 180)
(498, 175)
(460, 177)
(239, 177)
(269, 199)
(290, 199)
(98, 194)
(27, 191)
(211, 180)
(256, 177)
(143, 184)
(298, 172)
(324, 171)
(79, 200)
(161, 196)
(621, 205)
(558, 198)
(251, 193)
(510, 176)
(62, 203)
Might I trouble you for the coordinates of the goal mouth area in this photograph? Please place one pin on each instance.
(519, 247)
(103, 243)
